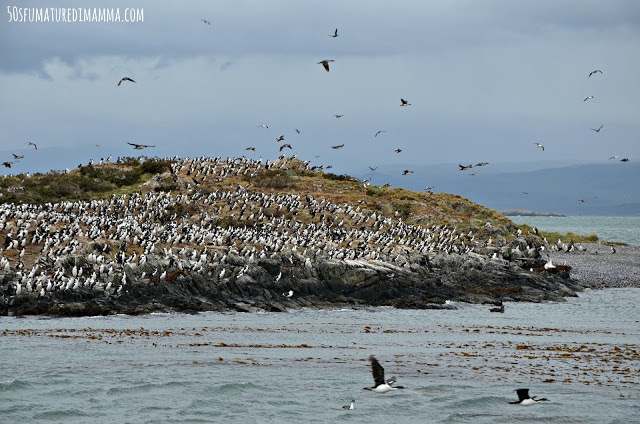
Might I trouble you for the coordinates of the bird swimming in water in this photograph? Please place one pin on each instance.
(325, 63)
(352, 405)
(498, 309)
(380, 385)
(525, 399)
(125, 79)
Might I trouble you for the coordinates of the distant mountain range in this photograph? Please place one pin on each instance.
(608, 189)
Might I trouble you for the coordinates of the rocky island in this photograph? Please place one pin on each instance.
(140, 235)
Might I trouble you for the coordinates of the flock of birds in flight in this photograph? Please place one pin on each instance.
(382, 385)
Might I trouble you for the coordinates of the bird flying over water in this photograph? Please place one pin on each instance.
(539, 146)
(407, 172)
(325, 63)
(597, 71)
(335, 34)
(597, 129)
(139, 146)
(525, 399)
(464, 167)
(380, 385)
(403, 102)
(125, 79)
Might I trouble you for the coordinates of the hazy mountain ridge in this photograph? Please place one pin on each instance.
(608, 189)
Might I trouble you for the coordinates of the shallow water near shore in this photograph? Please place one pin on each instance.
(302, 366)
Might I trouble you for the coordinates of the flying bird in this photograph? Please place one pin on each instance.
(595, 72)
(378, 132)
(525, 399)
(613, 157)
(251, 148)
(582, 200)
(124, 79)
(205, 21)
(539, 146)
(263, 126)
(31, 143)
(17, 156)
(339, 146)
(597, 129)
(379, 383)
(407, 172)
(335, 34)
(464, 167)
(297, 131)
(285, 145)
(139, 146)
(403, 102)
(338, 116)
(280, 138)
(373, 168)
(7, 164)
(587, 98)
(397, 150)
(624, 160)
(325, 63)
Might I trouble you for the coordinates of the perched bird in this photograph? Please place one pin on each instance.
(325, 63)
(285, 146)
(407, 172)
(597, 129)
(464, 167)
(597, 71)
(613, 249)
(339, 146)
(31, 143)
(139, 146)
(525, 399)
(378, 132)
(403, 102)
(379, 383)
(539, 146)
(288, 294)
(350, 406)
(124, 79)
(335, 34)
(587, 98)
(205, 21)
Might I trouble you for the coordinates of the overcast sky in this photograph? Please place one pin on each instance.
(486, 80)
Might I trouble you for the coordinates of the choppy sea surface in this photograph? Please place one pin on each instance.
(608, 228)
(457, 366)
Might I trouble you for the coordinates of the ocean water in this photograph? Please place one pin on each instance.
(608, 228)
(457, 366)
